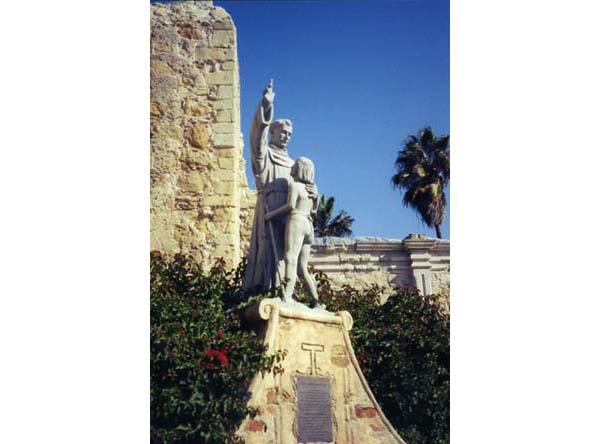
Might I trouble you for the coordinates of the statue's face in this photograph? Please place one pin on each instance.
(281, 136)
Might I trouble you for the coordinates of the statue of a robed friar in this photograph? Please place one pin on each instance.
(282, 230)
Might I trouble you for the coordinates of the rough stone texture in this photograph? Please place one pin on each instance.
(365, 412)
(317, 344)
(247, 204)
(417, 261)
(199, 192)
(255, 426)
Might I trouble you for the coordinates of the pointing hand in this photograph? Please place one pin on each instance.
(268, 95)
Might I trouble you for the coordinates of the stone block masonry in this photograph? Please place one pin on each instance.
(200, 201)
(416, 261)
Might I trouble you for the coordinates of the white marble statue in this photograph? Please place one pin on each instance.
(300, 208)
(271, 166)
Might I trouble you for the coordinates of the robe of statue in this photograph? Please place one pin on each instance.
(271, 167)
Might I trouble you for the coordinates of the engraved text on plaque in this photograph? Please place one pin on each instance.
(314, 410)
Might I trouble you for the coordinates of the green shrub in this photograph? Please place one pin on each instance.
(202, 359)
(404, 350)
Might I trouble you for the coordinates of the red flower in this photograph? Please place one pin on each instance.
(222, 357)
(211, 353)
(220, 334)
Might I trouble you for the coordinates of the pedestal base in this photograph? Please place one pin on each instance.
(322, 395)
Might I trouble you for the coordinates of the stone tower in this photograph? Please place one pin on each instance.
(200, 201)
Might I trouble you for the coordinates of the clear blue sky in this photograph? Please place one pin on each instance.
(356, 78)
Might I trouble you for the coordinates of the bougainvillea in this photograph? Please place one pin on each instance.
(201, 358)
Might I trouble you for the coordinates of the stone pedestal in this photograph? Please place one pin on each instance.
(321, 396)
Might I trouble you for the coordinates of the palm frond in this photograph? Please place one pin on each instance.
(327, 225)
(422, 171)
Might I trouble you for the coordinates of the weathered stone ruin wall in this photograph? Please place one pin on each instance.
(199, 191)
(416, 261)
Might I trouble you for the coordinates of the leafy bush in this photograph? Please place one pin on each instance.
(202, 358)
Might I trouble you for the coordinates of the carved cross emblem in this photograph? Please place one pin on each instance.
(313, 349)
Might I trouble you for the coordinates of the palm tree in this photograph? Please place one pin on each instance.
(326, 226)
(422, 171)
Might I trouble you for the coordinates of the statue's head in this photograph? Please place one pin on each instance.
(280, 132)
(303, 170)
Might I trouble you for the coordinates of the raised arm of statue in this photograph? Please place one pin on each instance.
(259, 129)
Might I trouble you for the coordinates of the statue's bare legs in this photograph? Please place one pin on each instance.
(296, 260)
(309, 280)
(291, 260)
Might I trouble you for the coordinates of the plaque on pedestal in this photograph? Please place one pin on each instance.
(314, 409)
